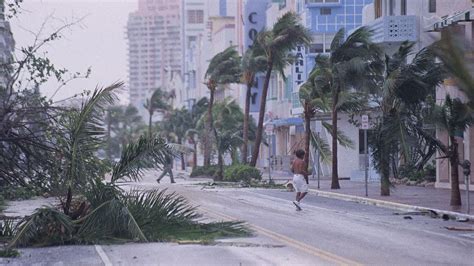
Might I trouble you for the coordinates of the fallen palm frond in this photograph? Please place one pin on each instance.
(112, 219)
(47, 226)
(134, 216)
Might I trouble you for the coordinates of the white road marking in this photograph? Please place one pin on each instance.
(102, 255)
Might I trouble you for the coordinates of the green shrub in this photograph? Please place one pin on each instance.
(210, 171)
(18, 193)
(9, 253)
(245, 173)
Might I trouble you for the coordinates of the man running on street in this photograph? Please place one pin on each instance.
(300, 178)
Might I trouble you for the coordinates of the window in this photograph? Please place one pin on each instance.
(432, 6)
(315, 48)
(321, 1)
(403, 8)
(378, 8)
(195, 16)
(391, 7)
(325, 11)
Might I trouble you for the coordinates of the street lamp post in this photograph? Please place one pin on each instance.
(466, 165)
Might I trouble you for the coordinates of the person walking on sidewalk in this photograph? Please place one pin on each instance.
(168, 169)
(300, 178)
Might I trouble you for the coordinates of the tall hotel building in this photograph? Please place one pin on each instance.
(154, 48)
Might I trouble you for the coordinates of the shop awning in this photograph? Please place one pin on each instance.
(291, 121)
(463, 16)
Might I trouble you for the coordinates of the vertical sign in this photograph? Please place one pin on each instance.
(254, 20)
(299, 68)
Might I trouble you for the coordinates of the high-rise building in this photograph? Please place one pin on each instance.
(201, 17)
(7, 46)
(154, 48)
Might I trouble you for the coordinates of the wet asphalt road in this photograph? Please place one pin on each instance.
(326, 232)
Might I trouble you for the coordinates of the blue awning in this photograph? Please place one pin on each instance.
(291, 121)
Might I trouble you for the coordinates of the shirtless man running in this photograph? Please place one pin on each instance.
(300, 178)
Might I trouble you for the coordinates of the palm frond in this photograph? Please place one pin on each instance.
(342, 139)
(321, 146)
(146, 152)
(46, 226)
(87, 131)
(112, 219)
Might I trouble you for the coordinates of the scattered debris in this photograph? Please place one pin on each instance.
(407, 218)
(464, 229)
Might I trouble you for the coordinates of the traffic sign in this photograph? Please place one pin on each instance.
(269, 128)
(365, 122)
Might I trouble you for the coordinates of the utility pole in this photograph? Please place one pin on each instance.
(365, 127)
(466, 167)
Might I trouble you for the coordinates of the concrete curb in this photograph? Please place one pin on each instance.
(387, 204)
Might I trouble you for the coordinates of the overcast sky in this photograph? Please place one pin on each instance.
(98, 41)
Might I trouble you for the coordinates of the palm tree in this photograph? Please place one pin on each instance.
(349, 62)
(227, 130)
(224, 68)
(112, 121)
(275, 45)
(458, 59)
(405, 88)
(252, 63)
(177, 123)
(158, 101)
(131, 124)
(455, 117)
(314, 100)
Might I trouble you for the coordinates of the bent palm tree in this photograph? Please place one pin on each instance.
(158, 101)
(342, 72)
(314, 100)
(458, 60)
(404, 90)
(275, 45)
(252, 63)
(224, 68)
(455, 117)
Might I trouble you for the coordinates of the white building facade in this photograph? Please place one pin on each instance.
(422, 21)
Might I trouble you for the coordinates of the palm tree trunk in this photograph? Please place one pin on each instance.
(454, 161)
(220, 162)
(194, 154)
(149, 123)
(335, 174)
(109, 136)
(246, 124)
(207, 140)
(307, 120)
(385, 173)
(183, 166)
(261, 114)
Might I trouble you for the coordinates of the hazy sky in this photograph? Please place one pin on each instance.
(98, 41)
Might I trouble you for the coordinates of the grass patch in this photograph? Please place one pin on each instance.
(9, 253)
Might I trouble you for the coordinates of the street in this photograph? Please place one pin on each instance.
(327, 231)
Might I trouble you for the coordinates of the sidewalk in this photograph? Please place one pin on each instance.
(425, 197)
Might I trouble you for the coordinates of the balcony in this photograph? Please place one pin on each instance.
(390, 29)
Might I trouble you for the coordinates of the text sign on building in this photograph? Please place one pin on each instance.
(299, 67)
(365, 122)
(254, 20)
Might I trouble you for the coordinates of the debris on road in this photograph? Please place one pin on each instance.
(464, 229)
